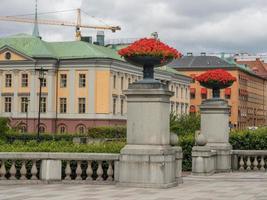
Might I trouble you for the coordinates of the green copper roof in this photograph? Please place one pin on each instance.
(79, 49)
(35, 47)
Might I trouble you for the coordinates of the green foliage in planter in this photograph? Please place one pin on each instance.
(185, 124)
(61, 146)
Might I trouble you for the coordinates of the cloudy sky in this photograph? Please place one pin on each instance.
(189, 25)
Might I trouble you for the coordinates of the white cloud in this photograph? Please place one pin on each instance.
(189, 25)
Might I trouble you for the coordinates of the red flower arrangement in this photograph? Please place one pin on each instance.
(150, 47)
(217, 77)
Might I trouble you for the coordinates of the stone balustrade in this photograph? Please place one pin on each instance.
(65, 167)
(249, 160)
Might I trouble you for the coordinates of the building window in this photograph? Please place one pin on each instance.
(114, 106)
(23, 128)
(24, 104)
(177, 90)
(63, 105)
(81, 105)
(43, 82)
(42, 129)
(81, 129)
(122, 105)
(8, 104)
(82, 80)
(8, 80)
(129, 81)
(182, 93)
(177, 108)
(172, 107)
(43, 104)
(122, 79)
(24, 80)
(186, 93)
(63, 80)
(114, 81)
(62, 129)
(7, 55)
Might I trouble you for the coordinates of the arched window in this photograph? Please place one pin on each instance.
(192, 109)
(81, 129)
(42, 128)
(22, 128)
(62, 128)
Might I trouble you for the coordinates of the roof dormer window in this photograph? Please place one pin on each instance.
(7, 55)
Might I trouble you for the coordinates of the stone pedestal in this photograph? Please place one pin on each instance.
(50, 170)
(215, 127)
(148, 160)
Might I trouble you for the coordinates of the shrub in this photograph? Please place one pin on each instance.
(61, 146)
(3, 125)
(185, 124)
(97, 132)
(249, 139)
(243, 140)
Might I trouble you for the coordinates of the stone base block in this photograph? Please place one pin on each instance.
(148, 166)
(223, 157)
(50, 170)
(203, 161)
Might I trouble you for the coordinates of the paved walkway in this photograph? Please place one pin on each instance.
(234, 186)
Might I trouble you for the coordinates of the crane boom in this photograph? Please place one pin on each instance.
(57, 22)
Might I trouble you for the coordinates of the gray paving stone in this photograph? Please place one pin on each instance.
(234, 186)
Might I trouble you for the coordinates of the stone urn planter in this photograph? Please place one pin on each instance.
(148, 63)
(149, 53)
(216, 79)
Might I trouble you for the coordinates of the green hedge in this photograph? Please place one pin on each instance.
(249, 139)
(243, 140)
(61, 146)
(97, 132)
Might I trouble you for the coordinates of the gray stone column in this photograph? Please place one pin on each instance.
(148, 160)
(215, 128)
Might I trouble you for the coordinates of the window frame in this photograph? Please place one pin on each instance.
(81, 105)
(63, 80)
(82, 80)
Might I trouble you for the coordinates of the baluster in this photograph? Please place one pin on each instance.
(241, 163)
(248, 164)
(68, 171)
(3, 170)
(99, 171)
(110, 171)
(262, 164)
(13, 170)
(255, 164)
(23, 171)
(89, 171)
(78, 171)
(34, 170)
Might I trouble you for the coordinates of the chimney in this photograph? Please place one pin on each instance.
(189, 54)
(203, 53)
(100, 38)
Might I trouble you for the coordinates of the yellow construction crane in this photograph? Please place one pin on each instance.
(76, 24)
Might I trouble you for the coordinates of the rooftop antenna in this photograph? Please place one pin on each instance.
(35, 28)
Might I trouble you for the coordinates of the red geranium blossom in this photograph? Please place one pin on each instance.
(150, 47)
(216, 76)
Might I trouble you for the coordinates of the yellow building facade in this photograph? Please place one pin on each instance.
(83, 85)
